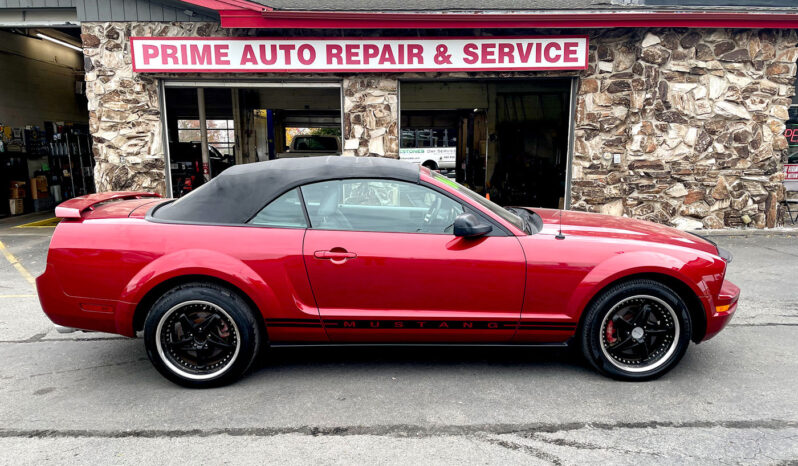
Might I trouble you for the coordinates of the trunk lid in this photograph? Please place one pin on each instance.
(108, 205)
(136, 208)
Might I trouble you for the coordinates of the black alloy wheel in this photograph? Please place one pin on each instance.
(201, 335)
(637, 330)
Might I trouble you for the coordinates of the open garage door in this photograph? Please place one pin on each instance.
(212, 126)
(506, 138)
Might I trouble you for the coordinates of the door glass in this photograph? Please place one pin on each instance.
(285, 212)
(379, 205)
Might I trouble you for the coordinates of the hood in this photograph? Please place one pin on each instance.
(608, 226)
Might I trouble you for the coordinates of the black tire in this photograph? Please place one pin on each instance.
(636, 330)
(430, 164)
(200, 350)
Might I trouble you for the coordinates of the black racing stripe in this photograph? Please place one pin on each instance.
(548, 328)
(307, 325)
(294, 320)
(395, 324)
(551, 324)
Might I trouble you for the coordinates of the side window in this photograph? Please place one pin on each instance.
(285, 212)
(379, 205)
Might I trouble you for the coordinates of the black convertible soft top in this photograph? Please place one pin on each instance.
(239, 192)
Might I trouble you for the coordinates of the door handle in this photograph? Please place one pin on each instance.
(335, 255)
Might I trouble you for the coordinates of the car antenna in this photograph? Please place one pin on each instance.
(559, 233)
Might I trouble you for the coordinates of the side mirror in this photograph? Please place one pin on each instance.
(469, 226)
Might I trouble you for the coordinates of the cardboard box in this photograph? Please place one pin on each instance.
(38, 187)
(16, 190)
(16, 206)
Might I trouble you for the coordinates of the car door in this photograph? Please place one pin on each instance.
(384, 266)
(272, 247)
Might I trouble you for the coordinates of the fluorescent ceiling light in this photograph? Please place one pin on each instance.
(60, 42)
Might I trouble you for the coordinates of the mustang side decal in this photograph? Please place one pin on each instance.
(421, 324)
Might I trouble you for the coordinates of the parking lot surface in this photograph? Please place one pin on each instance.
(84, 397)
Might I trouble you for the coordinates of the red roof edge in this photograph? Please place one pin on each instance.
(232, 5)
(248, 18)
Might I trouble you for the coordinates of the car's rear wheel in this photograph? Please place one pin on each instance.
(201, 335)
(637, 330)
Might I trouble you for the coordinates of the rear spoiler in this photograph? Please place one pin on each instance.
(75, 207)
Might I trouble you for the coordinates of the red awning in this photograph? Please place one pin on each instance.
(246, 14)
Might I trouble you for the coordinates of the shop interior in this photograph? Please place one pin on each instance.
(45, 146)
(245, 124)
(510, 136)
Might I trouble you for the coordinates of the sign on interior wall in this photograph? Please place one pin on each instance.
(318, 55)
(444, 157)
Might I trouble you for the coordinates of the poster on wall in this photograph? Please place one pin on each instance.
(360, 54)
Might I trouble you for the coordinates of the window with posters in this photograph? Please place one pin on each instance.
(791, 133)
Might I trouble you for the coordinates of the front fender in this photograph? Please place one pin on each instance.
(633, 263)
(191, 262)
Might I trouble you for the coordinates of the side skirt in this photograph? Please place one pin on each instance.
(472, 345)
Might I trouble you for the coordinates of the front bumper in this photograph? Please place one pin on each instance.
(724, 307)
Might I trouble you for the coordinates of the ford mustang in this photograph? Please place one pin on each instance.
(349, 250)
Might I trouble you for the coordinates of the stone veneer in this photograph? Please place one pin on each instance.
(696, 117)
(125, 116)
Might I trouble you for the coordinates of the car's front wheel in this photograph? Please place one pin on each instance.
(201, 335)
(637, 330)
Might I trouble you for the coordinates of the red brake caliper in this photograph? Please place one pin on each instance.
(610, 333)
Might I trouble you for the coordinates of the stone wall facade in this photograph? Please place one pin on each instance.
(695, 116)
(125, 116)
(371, 116)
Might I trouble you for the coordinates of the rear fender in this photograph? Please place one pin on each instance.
(192, 262)
(626, 265)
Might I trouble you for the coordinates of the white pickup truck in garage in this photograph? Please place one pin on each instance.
(434, 158)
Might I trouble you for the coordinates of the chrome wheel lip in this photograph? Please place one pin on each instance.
(659, 362)
(177, 370)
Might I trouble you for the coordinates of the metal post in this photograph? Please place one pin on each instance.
(569, 158)
(71, 168)
(80, 162)
(206, 162)
(237, 120)
(165, 138)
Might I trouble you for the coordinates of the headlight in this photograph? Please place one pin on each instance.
(725, 254)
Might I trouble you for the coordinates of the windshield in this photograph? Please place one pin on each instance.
(515, 220)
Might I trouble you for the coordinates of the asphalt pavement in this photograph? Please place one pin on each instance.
(92, 397)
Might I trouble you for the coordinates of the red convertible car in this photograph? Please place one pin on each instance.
(347, 250)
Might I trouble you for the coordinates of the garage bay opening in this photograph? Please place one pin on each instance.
(507, 138)
(218, 125)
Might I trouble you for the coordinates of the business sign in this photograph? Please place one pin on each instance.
(791, 172)
(791, 133)
(319, 55)
(443, 156)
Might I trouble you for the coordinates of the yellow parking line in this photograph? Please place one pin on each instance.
(46, 223)
(17, 265)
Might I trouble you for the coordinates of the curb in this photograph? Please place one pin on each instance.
(785, 232)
